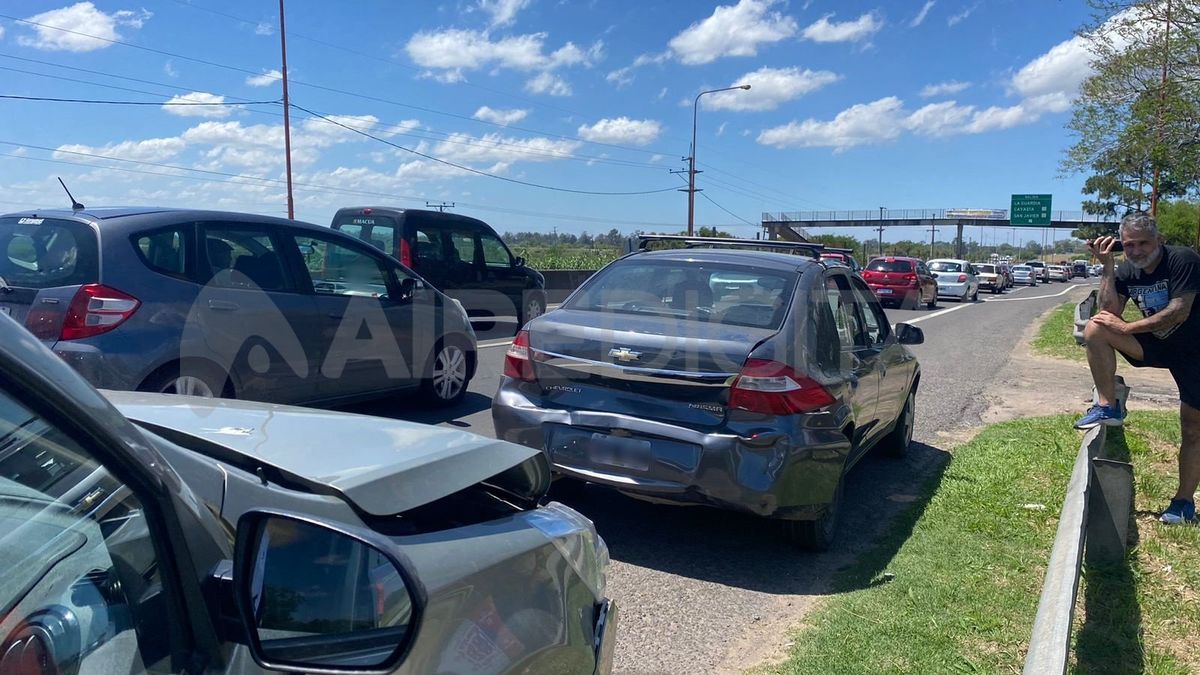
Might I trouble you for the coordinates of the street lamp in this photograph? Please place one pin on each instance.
(692, 157)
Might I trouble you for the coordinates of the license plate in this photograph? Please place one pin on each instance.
(6, 311)
(884, 291)
(943, 288)
(627, 453)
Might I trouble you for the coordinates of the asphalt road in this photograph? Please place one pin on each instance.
(703, 590)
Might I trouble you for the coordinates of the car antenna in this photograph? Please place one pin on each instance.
(75, 206)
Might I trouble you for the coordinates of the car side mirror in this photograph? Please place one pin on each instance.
(409, 287)
(321, 597)
(519, 261)
(907, 334)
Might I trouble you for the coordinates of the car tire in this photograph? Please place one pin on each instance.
(535, 306)
(898, 440)
(200, 379)
(995, 290)
(975, 296)
(817, 535)
(447, 375)
(932, 304)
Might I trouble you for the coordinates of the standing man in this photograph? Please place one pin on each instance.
(1162, 281)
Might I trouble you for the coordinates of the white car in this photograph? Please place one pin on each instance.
(955, 278)
(1058, 273)
(1024, 275)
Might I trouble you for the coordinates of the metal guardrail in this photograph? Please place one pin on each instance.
(1084, 312)
(1092, 528)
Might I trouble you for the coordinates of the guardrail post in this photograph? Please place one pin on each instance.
(1110, 498)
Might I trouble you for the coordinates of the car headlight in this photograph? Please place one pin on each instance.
(576, 539)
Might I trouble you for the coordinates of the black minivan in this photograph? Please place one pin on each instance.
(461, 256)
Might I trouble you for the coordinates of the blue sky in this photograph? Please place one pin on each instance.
(853, 105)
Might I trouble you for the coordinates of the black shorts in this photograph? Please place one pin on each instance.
(1178, 354)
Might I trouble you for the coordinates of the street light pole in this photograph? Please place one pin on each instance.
(881, 209)
(692, 157)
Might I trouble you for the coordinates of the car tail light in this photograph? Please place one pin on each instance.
(518, 362)
(773, 388)
(406, 253)
(962, 278)
(910, 279)
(97, 309)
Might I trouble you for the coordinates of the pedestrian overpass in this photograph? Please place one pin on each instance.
(795, 225)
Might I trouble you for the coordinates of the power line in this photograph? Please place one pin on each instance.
(154, 103)
(334, 90)
(714, 203)
(302, 186)
(448, 137)
(477, 171)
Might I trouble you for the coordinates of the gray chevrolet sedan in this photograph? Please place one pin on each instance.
(744, 379)
(206, 536)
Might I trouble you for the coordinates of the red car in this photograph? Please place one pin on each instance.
(903, 282)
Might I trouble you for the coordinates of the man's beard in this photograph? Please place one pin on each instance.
(1148, 260)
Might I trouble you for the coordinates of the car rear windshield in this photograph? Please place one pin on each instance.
(889, 266)
(1022, 268)
(47, 253)
(379, 231)
(945, 267)
(695, 291)
(986, 269)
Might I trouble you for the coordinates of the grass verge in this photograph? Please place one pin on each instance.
(960, 592)
(1056, 337)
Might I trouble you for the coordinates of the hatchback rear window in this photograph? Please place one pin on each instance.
(713, 293)
(986, 269)
(889, 266)
(47, 253)
(945, 267)
(378, 231)
(1022, 268)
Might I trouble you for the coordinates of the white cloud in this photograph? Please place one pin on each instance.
(197, 104)
(149, 150)
(860, 124)
(455, 50)
(920, 17)
(264, 28)
(80, 18)
(943, 88)
(655, 159)
(503, 12)
(267, 79)
(1063, 68)
(940, 119)
(824, 30)
(961, 16)
(169, 69)
(721, 129)
(504, 117)
(502, 151)
(622, 130)
(548, 83)
(662, 93)
(620, 77)
(736, 30)
(1, 31)
(769, 87)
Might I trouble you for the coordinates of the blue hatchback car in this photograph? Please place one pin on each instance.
(235, 305)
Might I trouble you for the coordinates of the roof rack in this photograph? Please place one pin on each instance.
(811, 250)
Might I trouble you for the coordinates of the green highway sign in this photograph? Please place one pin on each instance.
(1029, 210)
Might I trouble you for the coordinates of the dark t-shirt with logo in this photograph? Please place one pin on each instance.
(1177, 273)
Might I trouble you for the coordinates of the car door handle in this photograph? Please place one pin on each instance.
(223, 305)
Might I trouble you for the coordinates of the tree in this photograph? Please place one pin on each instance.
(1133, 129)
(1179, 222)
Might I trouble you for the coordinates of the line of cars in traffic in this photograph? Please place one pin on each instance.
(145, 531)
(745, 375)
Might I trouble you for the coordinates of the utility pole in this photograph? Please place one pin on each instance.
(287, 120)
(932, 231)
(440, 206)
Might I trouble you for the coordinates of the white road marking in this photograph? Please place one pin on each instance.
(944, 311)
(1038, 297)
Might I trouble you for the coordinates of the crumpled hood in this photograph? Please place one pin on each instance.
(383, 466)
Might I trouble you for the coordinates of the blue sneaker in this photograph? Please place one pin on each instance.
(1180, 511)
(1100, 414)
